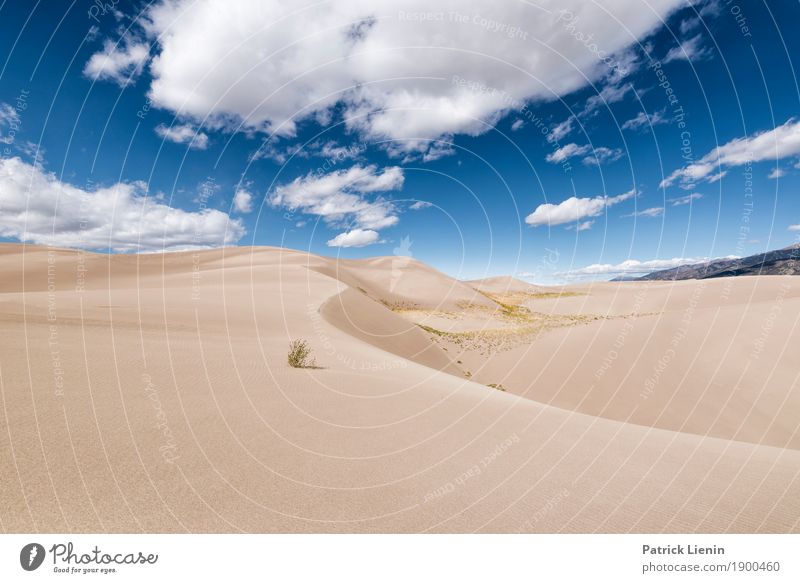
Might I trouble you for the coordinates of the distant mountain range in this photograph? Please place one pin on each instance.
(784, 261)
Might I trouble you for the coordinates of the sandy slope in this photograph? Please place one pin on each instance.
(712, 357)
(157, 398)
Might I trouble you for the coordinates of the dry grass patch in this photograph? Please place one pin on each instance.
(300, 355)
(490, 340)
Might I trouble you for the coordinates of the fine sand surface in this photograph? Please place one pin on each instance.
(151, 393)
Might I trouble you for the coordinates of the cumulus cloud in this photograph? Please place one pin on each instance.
(354, 238)
(776, 144)
(37, 207)
(242, 201)
(794, 227)
(689, 50)
(183, 134)
(561, 130)
(574, 209)
(419, 205)
(517, 125)
(632, 267)
(568, 151)
(776, 173)
(340, 197)
(643, 121)
(596, 156)
(603, 155)
(121, 62)
(267, 65)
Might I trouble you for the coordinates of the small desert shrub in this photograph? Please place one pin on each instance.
(300, 355)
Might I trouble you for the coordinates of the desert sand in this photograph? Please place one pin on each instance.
(151, 393)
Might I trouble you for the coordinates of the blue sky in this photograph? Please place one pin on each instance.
(555, 144)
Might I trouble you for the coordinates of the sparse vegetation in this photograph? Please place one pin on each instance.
(550, 295)
(400, 306)
(515, 312)
(430, 330)
(488, 340)
(511, 303)
(300, 355)
(497, 386)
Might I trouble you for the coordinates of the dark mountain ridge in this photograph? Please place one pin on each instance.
(784, 261)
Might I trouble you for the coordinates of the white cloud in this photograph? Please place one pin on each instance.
(354, 238)
(330, 150)
(568, 151)
(689, 50)
(32, 151)
(602, 155)
(583, 226)
(339, 196)
(517, 125)
(121, 63)
(776, 173)
(776, 144)
(270, 150)
(243, 201)
(629, 267)
(708, 8)
(333, 150)
(9, 123)
(434, 151)
(643, 121)
(596, 156)
(268, 64)
(419, 205)
(37, 207)
(561, 130)
(794, 227)
(651, 212)
(689, 24)
(183, 134)
(574, 209)
(10, 126)
(609, 94)
(682, 200)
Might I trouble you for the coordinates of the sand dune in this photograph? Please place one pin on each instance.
(504, 285)
(708, 357)
(151, 393)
